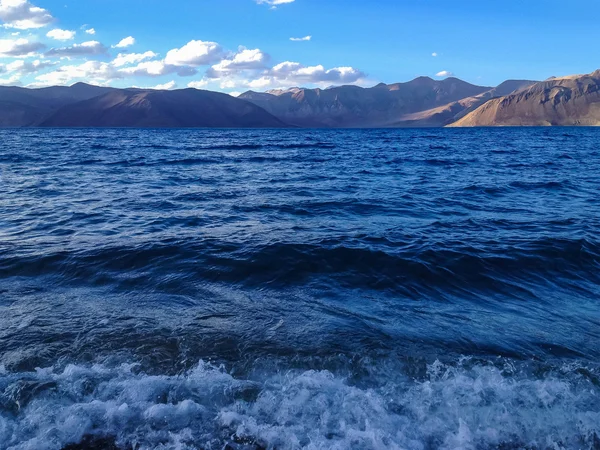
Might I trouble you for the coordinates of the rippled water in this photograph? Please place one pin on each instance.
(381, 289)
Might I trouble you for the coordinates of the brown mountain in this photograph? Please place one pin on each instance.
(451, 112)
(566, 101)
(169, 109)
(385, 105)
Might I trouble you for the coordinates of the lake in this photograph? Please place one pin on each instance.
(321, 289)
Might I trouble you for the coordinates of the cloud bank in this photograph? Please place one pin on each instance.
(39, 60)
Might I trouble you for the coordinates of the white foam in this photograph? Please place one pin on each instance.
(467, 406)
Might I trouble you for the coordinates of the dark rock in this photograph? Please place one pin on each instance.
(96, 443)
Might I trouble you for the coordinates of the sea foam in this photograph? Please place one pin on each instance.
(464, 405)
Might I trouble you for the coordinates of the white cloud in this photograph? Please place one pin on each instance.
(124, 59)
(19, 48)
(444, 74)
(434, 54)
(248, 69)
(261, 83)
(89, 48)
(165, 86)
(157, 69)
(148, 68)
(200, 84)
(95, 72)
(25, 67)
(301, 39)
(286, 67)
(231, 71)
(274, 3)
(235, 94)
(124, 43)
(13, 80)
(245, 59)
(195, 53)
(296, 73)
(61, 35)
(228, 84)
(22, 15)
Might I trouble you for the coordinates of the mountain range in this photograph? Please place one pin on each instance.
(422, 102)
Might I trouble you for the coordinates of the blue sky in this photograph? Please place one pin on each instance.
(236, 45)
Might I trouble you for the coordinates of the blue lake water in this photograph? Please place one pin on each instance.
(286, 289)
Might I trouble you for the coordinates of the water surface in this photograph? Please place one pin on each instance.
(380, 289)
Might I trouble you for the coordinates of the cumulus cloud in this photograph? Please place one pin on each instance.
(157, 69)
(301, 39)
(200, 84)
(165, 86)
(61, 35)
(195, 53)
(19, 48)
(124, 43)
(124, 59)
(245, 59)
(444, 74)
(286, 74)
(297, 73)
(231, 71)
(22, 15)
(25, 67)
(94, 72)
(434, 54)
(261, 83)
(90, 48)
(102, 73)
(13, 80)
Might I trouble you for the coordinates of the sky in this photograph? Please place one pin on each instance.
(238, 45)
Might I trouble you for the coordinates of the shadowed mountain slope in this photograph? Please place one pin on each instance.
(22, 107)
(352, 106)
(173, 109)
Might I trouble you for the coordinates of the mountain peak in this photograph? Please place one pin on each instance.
(82, 84)
(423, 79)
(278, 92)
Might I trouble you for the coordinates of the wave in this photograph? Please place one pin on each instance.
(384, 265)
(186, 161)
(535, 185)
(316, 145)
(282, 146)
(465, 404)
(233, 147)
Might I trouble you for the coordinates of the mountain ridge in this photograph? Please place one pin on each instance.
(421, 102)
(566, 101)
(147, 108)
(382, 105)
